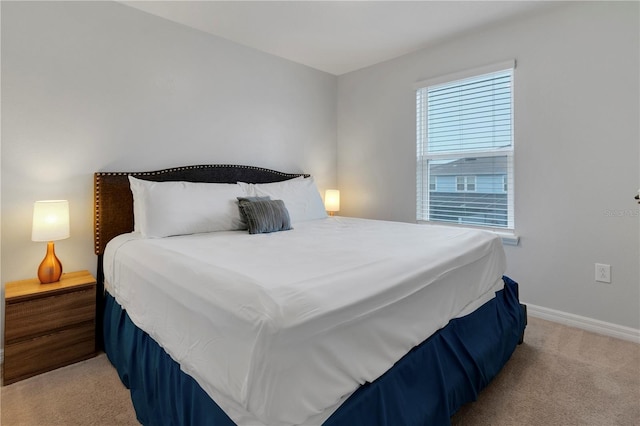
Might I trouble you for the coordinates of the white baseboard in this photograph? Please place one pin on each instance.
(584, 323)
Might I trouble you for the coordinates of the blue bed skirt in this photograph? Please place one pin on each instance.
(426, 387)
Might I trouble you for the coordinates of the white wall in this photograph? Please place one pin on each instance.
(576, 148)
(93, 86)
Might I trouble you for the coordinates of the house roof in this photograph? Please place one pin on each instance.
(472, 166)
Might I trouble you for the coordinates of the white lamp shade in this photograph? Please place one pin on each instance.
(50, 220)
(332, 200)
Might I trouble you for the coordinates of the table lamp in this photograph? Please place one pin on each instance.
(50, 223)
(332, 201)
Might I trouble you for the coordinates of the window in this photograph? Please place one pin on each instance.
(466, 183)
(471, 183)
(464, 130)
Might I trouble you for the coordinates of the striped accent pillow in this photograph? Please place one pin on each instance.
(243, 217)
(265, 216)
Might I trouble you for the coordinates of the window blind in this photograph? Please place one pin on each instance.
(464, 131)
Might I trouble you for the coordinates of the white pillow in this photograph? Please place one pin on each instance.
(300, 196)
(162, 209)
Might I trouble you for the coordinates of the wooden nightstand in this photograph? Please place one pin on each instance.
(48, 326)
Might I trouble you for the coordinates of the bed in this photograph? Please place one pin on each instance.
(229, 327)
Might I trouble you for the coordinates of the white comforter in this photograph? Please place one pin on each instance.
(281, 328)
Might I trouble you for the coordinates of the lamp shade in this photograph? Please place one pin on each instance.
(332, 200)
(50, 220)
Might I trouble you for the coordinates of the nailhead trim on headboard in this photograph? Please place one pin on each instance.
(221, 173)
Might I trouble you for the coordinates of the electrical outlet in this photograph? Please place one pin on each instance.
(603, 273)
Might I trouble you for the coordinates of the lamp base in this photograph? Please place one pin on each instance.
(50, 269)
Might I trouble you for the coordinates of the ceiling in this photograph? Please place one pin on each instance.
(338, 36)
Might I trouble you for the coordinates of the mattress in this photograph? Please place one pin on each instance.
(281, 328)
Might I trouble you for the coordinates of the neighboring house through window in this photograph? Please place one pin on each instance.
(465, 148)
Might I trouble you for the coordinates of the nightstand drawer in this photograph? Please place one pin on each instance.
(40, 315)
(34, 356)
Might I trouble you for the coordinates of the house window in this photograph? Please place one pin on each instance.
(471, 183)
(465, 183)
(464, 130)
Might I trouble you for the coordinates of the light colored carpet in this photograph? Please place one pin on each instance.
(562, 376)
(559, 376)
(88, 393)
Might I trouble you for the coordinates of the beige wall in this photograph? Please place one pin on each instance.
(576, 149)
